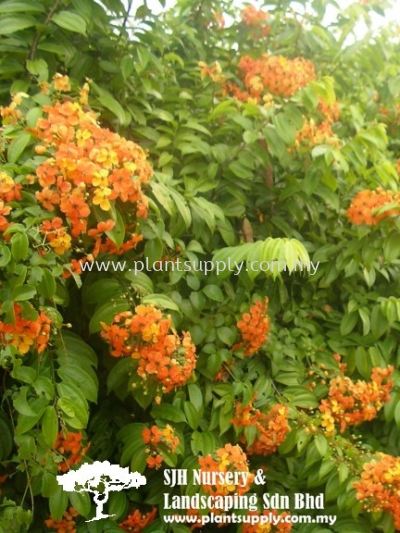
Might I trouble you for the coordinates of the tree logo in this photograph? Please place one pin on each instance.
(101, 478)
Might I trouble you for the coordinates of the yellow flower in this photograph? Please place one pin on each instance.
(84, 93)
(61, 83)
(100, 178)
(22, 342)
(100, 198)
(61, 244)
(82, 136)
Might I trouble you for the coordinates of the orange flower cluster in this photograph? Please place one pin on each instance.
(136, 522)
(70, 447)
(329, 111)
(227, 459)
(254, 328)
(277, 75)
(11, 114)
(164, 358)
(9, 192)
(4, 211)
(256, 19)
(156, 439)
(66, 524)
(26, 334)
(259, 527)
(379, 486)
(351, 403)
(272, 428)
(214, 72)
(361, 210)
(59, 240)
(89, 170)
(313, 133)
(224, 373)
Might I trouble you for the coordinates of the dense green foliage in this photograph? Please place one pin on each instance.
(233, 179)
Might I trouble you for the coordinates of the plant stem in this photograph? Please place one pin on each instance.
(36, 40)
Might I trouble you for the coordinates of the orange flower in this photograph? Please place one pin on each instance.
(272, 428)
(230, 458)
(155, 438)
(254, 327)
(351, 403)
(136, 522)
(164, 358)
(70, 447)
(66, 524)
(276, 75)
(379, 486)
(88, 167)
(256, 19)
(4, 211)
(26, 334)
(9, 190)
(214, 72)
(363, 205)
(61, 83)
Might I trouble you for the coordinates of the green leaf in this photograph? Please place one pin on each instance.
(227, 335)
(38, 68)
(182, 207)
(20, 6)
(321, 444)
(166, 411)
(106, 314)
(109, 102)
(81, 502)
(70, 21)
(72, 348)
(285, 130)
(18, 146)
(47, 287)
(153, 250)
(10, 25)
(391, 247)
(118, 505)
(160, 300)
(21, 293)
(343, 471)
(214, 293)
(348, 323)
(140, 281)
(365, 318)
(49, 484)
(27, 374)
(192, 415)
(83, 377)
(196, 396)
(5, 256)
(58, 503)
(127, 67)
(138, 461)
(50, 426)
(19, 246)
(119, 375)
(302, 397)
(74, 405)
